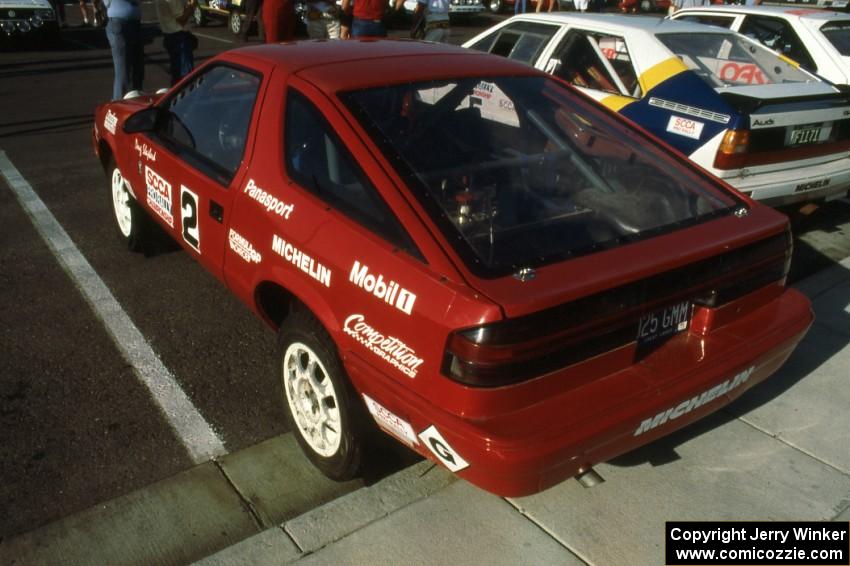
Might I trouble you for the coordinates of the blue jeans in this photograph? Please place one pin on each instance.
(179, 47)
(520, 7)
(368, 28)
(128, 55)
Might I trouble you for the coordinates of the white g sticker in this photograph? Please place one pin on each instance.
(441, 449)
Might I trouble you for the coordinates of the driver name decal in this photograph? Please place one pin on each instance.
(391, 349)
(159, 195)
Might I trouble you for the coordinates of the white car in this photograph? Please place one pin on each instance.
(741, 111)
(456, 7)
(817, 39)
(21, 19)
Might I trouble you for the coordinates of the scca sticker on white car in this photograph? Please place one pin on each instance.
(685, 127)
(441, 449)
(189, 218)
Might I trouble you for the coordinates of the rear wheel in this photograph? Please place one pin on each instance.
(235, 21)
(322, 406)
(133, 224)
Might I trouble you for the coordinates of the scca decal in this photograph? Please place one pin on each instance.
(441, 449)
(189, 218)
(159, 195)
(391, 422)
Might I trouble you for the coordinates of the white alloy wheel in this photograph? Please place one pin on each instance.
(235, 22)
(121, 204)
(312, 399)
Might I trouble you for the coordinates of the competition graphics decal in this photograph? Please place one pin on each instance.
(386, 290)
(242, 247)
(159, 195)
(301, 260)
(189, 218)
(391, 422)
(389, 348)
(441, 449)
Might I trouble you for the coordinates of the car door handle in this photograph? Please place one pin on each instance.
(217, 211)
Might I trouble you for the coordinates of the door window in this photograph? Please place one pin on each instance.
(208, 120)
(522, 41)
(580, 60)
(779, 36)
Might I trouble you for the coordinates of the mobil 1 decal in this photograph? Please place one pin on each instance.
(441, 449)
(189, 218)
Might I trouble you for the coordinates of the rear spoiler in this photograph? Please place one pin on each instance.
(749, 104)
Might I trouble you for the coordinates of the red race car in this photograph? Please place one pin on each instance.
(509, 278)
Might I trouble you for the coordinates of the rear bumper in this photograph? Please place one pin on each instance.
(798, 184)
(526, 451)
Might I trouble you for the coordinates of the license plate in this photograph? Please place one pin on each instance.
(810, 133)
(655, 328)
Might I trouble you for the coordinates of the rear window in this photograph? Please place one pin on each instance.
(730, 59)
(838, 34)
(520, 171)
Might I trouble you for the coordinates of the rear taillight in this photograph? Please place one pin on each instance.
(733, 150)
(516, 350)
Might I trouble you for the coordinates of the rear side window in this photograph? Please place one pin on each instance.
(838, 34)
(779, 36)
(523, 41)
(580, 60)
(719, 21)
(319, 162)
(723, 59)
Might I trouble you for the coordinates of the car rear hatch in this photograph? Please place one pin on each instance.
(787, 123)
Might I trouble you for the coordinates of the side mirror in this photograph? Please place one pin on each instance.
(147, 120)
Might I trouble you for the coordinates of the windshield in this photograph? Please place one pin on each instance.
(520, 171)
(838, 34)
(732, 60)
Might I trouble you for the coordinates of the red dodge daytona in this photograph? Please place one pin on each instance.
(498, 272)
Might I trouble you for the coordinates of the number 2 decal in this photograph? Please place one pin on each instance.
(189, 216)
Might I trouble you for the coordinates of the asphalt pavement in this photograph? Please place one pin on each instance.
(777, 453)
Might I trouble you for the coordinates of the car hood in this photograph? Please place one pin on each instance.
(24, 4)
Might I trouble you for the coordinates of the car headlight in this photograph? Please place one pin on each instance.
(24, 26)
(7, 26)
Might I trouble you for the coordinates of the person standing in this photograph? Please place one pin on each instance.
(322, 19)
(366, 18)
(552, 4)
(278, 20)
(173, 18)
(124, 31)
(253, 6)
(520, 6)
(436, 14)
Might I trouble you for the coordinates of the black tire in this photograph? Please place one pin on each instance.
(310, 397)
(199, 17)
(234, 22)
(132, 224)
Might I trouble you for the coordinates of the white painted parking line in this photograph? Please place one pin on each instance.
(206, 36)
(196, 434)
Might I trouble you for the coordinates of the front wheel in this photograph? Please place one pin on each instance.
(131, 220)
(495, 6)
(321, 404)
(235, 22)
